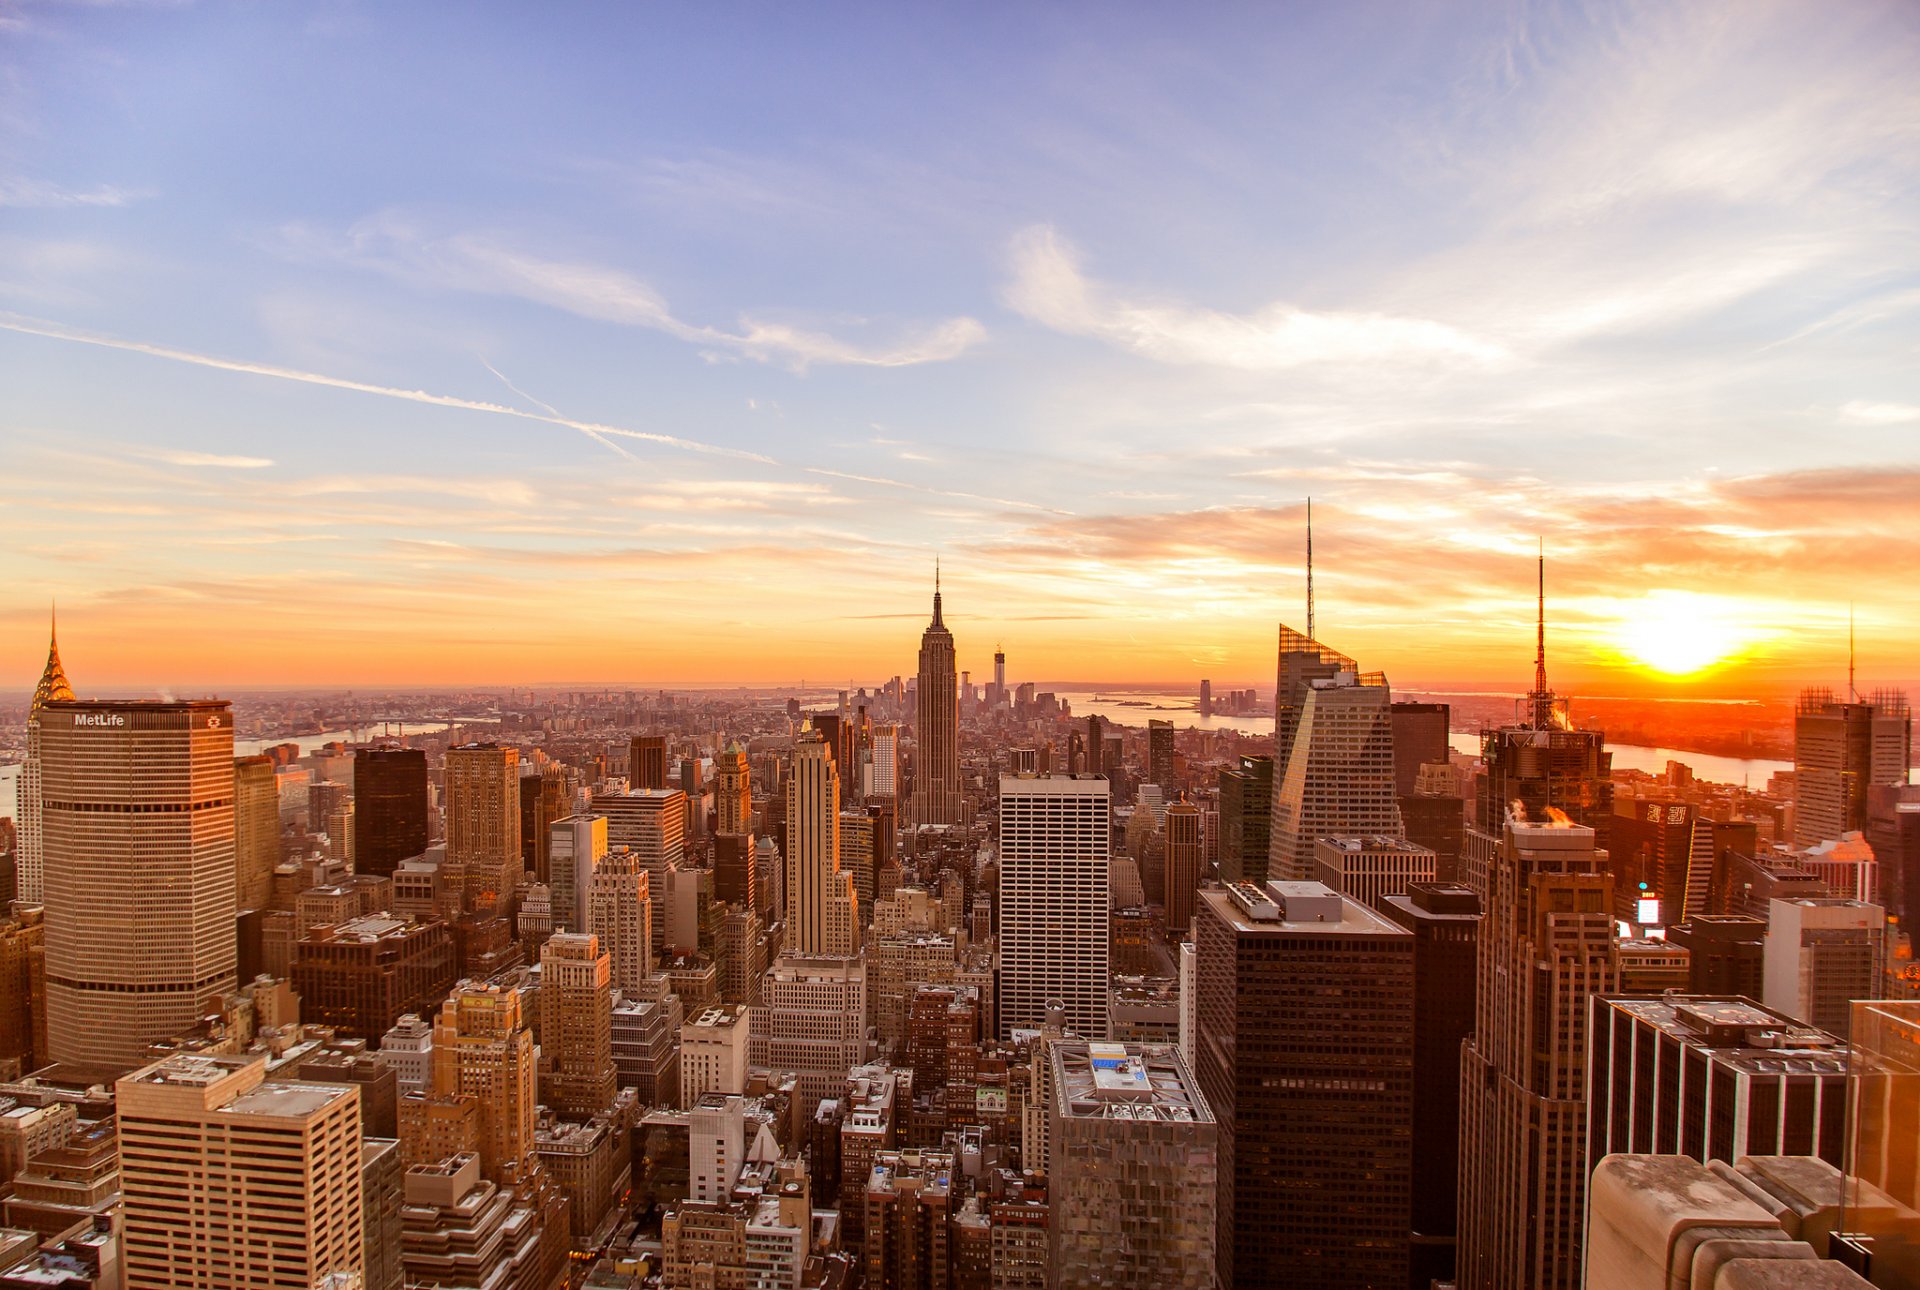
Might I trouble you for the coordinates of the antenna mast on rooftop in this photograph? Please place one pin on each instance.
(1310, 633)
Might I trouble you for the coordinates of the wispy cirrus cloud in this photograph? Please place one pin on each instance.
(212, 460)
(1049, 287)
(19, 192)
(490, 265)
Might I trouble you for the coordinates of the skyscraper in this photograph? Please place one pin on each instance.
(1539, 761)
(620, 913)
(138, 819)
(576, 1025)
(733, 792)
(1339, 770)
(1445, 921)
(1304, 1047)
(1821, 955)
(1841, 750)
(936, 732)
(32, 846)
(574, 848)
(1419, 739)
(1546, 947)
(482, 1049)
(1054, 896)
(886, 762)
(813, 1015)
(483, 823)
(650, 822)
(231, 1183)
(1246, 819)
(1160, 756)
(822, 905)
(256, 830)
(647, 761)
(1184, 865)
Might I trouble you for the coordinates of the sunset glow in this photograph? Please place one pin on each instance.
(1679, 634)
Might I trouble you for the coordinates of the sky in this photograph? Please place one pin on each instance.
(493, 343)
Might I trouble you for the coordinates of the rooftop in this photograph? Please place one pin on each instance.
(1293, 907)
(1740, 1033)
(1109, 1081)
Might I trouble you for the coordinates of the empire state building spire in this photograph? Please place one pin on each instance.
(936, 793)
(936, 594)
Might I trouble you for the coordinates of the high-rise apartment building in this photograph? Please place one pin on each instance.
(1546, 947)
(483, 1049)
(620, 913)
(576, 1025)
(647, 761)
(1821, 955)
(232, 1183)
(822, 904)
(733, 792)
(1054, 899)
(137, 801)
(1246, 819)
(1305, 1047)
(1184, 865)
(1841, 750)
(1339, 771)
(1445, 921)
(936, 731)
(390, 808)
(909, 1207)
(1135, 1169)
(1712, 1078)
(31, 866)
(483, 824)
(256, 831)
(884, 780)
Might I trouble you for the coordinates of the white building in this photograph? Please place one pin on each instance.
(883, 773)
(1372, 867)
(714, 1050)
(574, 848)
(407, 1050)
(1054, 893)
(1339, 773)
(620, 913)
(1821, 955)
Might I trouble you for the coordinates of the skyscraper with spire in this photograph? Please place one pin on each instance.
(32, 845)
(936, 775)
(1538, 761)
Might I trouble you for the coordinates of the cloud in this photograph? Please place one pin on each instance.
(18, 192)
(178, 457)
(1049, 287)
(1879, 414)
(489, 266)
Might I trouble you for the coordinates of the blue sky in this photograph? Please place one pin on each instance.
(727, 322)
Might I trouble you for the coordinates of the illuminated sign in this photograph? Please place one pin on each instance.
(99, 719)
(1649, 910)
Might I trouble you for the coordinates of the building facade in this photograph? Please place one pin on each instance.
(1054, 900)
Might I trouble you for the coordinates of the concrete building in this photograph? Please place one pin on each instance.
(1821, 955)
(1712, 1078)
(1185, 863)
(229, 1181)
(733, 792)
(363, 975)
(576, 1025)
(1726, 954)
(483, 1049)
(1054, 900)
(814, 1018)
(646, 1048)
(1841, 750)
(1246, 819)
(620, 913)
(23, 990)
(1135, 1173)
(1305, 1046)
(1445, 921)
(256, 831)
(1371, 868)
(459, 1228)
(909, 1202)
(823, 909)
(483, 824)
(591, 1164)
(137, 824)
(715, 1046)
(575, 846)
(650, 822)
(407, 1048)
(1523, 1080)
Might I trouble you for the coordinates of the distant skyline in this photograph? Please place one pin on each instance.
(347, 345)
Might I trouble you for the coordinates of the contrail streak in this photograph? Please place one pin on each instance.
(597, 431)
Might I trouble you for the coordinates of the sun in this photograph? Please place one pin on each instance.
(1680, 633)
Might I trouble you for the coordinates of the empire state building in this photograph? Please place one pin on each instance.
(936, 779)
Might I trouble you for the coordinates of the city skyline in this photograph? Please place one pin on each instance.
(1631, 282)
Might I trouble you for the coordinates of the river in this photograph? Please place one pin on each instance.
(1128, 708)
